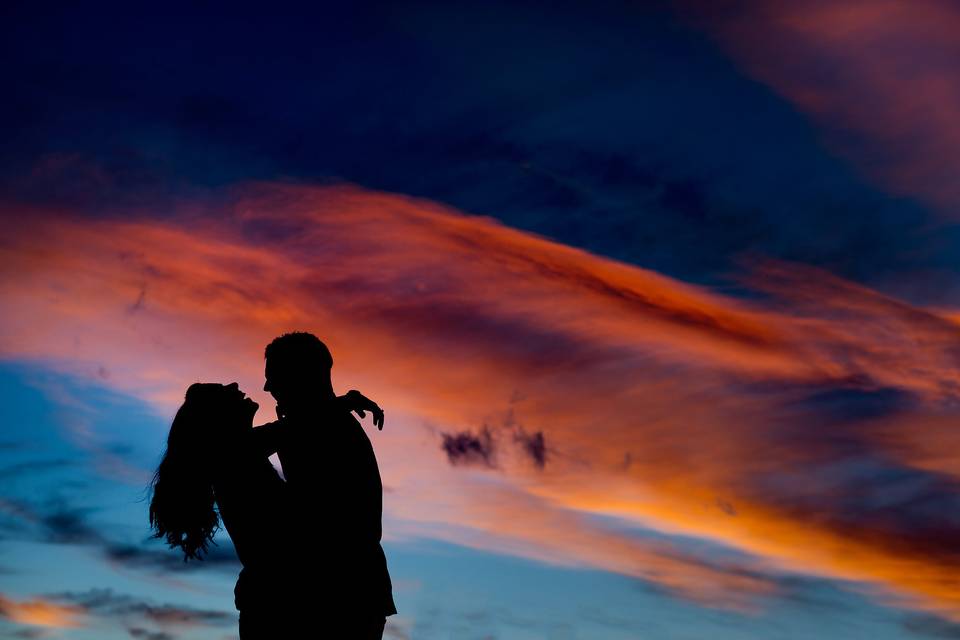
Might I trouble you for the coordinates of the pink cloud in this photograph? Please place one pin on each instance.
(661, 403)
(40, 613)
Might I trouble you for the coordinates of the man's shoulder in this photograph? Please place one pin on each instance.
(348, 424)
(328, 424)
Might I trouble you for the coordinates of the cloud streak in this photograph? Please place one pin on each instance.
(78, 609)
(40, 613)
(878, 77)
(666, 405)
(109, 604)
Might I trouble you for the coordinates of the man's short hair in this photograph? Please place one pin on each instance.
(300, 347)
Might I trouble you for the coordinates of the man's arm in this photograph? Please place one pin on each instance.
(268, 438)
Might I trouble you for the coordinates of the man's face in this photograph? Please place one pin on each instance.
(292, 382)
(277, 382)
(289, 382)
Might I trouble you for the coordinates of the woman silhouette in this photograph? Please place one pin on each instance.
(216, 468)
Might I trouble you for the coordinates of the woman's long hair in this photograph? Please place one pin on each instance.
(182, 504)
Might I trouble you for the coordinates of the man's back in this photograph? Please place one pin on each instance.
(332, 472)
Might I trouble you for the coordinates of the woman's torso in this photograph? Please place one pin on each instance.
(254, 507)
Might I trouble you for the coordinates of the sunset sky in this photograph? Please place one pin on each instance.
(661, 300)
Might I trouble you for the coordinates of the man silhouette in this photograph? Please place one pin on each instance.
(333, 477)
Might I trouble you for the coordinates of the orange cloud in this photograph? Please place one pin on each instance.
(878, 77)
(40, 613)
(661, 403)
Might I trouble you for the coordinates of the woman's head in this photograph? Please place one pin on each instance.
(182, 505)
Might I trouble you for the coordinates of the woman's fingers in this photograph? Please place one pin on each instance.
(362, 404)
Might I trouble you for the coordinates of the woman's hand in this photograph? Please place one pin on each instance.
(356, 401)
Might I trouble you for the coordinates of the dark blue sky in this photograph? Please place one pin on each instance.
(617, 127)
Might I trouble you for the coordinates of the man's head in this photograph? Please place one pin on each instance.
(297, 369)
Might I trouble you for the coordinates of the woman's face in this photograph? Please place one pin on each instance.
(239, 406)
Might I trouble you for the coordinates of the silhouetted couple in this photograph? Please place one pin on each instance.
(310, 545)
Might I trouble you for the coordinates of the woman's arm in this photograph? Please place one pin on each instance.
(353, 400)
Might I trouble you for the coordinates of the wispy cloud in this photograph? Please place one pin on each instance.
(40, 612)
(59, 522)
(642, 397)
(110, 604)
(137, 616)
(878, 77)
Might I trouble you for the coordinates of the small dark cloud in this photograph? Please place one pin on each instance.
(480, 448)
(67, 525)
(533, 445)
(147, 634)
(140, 302)
(726, 506)
(468, 448)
